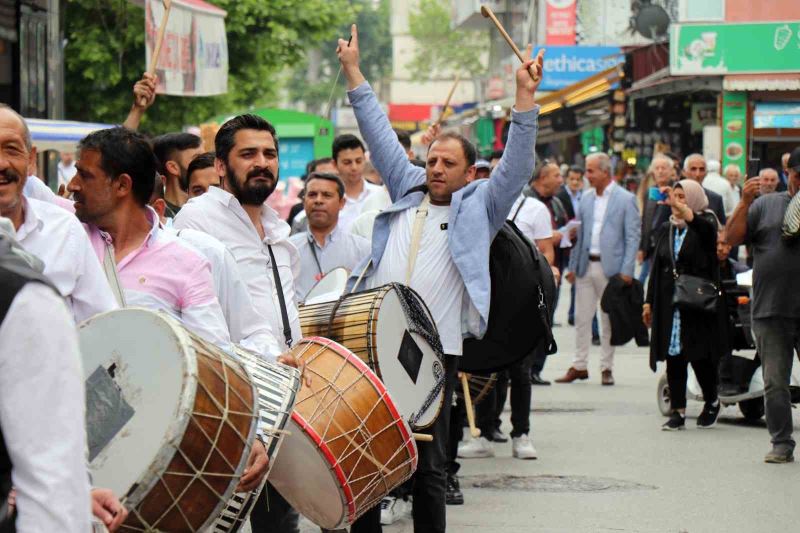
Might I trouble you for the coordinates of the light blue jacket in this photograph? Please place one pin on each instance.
(477, 212)
(619, 235)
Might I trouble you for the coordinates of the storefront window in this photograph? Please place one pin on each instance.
(707, 10)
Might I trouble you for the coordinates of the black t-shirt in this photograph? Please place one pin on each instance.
(776, 262)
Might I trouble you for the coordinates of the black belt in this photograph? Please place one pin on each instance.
(594, 257)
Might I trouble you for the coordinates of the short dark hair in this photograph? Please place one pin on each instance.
(497, 154)
(404, 138)
(576, 169)
(199, 162)
(346, 142)
(418, 163)
(470, 153)
(165, 146)
(537, 172)
(224, 140)
(123, 151)
(325, 176)
(313, 164)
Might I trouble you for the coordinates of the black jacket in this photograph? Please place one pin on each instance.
(702, 334)
(623, 303)
(566, 201)
(716, 205)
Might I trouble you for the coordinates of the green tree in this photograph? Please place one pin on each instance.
(104, 57)
(311, 80)
(442, 51)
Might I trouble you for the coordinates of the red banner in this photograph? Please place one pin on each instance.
(560, 22)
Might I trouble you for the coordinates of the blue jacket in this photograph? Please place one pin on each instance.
(619, 236)
(477, 211)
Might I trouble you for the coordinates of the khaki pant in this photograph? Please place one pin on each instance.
(588, 291)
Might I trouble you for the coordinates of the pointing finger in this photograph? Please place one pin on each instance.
(354, 35)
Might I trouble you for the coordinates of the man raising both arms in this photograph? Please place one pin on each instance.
(451, 272)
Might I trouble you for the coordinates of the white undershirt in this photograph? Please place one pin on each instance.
(435, 276)
(600, 205)
(532, 219)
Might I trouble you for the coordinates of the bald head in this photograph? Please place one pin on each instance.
(694, 167)
(24, 131)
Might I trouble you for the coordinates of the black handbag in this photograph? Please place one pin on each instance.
(692, 293)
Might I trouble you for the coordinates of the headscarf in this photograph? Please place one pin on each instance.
(696, 200)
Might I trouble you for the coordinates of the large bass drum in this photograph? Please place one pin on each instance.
(171, 419)
(347, 445)
(391, 330)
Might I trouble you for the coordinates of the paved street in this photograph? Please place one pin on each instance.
(604, 465)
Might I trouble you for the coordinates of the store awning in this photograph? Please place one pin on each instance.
(588, 114)
(583, 91)
(661, 83)
(761, 82)
(61, 135)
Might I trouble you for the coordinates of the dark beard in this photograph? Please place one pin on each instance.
(251, 193)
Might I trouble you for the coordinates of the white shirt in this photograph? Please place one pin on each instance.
(435, 275)
(341, 249)
(66, 173)
(246, 326)
(42, 413)
(57, 238)
(532, 219)
(220, 214)
(600, 206)
(354, 206)
(716, 183)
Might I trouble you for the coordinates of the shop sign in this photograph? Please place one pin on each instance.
(703, 115)
(714, 49)
(560, 22)
(777, 115)
(565, 65)
(734, 129)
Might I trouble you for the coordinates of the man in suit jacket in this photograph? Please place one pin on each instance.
(695, 168)
(607, 243)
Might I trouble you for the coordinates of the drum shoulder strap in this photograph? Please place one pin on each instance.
(112, 275)
(416, 236)
(287, 328)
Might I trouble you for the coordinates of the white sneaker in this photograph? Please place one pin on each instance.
(522, 447)
(476, 449)
(392, 510)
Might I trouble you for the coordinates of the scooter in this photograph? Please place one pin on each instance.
(751, 401)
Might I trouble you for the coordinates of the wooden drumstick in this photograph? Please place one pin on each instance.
(162, 28)
(447, 102)
(422, 437)
(473, 430)
(489, 14)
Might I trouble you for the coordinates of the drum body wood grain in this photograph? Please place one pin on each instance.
(171, 419)
(348, 446)
(379, 326)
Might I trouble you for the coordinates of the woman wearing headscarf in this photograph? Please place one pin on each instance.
(681, 337)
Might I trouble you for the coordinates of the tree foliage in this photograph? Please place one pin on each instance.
(104, 57)
(440, 50)
(376, 56)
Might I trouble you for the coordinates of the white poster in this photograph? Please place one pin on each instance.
(194, 53)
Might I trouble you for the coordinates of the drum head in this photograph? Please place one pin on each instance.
(317, 489)
(329, 288)
(408, 365)
(138, 400)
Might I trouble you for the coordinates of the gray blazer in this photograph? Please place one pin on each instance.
(619, 236)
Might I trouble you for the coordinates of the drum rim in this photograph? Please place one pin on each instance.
(405, 430)
(344, 291)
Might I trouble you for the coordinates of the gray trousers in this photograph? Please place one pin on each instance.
(777, 339)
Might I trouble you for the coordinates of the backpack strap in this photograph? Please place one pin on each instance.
(524, 199)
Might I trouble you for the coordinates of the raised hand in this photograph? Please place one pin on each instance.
(349, 57)
(526, 87)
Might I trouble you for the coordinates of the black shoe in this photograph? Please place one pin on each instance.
(498, 436)
(595, 341)
(453, 495)
(708, 418)
(571, 321)
(536, 379)
(676, 422)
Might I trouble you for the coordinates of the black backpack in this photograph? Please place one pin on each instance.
(523, 292)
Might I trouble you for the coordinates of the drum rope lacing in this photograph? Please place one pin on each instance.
(326, 410)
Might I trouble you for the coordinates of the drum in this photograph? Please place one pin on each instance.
(330, 287)
(479, 387)
(391, 330)
(277, 387)
(347, 446)
(170, 418)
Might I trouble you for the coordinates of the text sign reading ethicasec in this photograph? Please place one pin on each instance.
(565, 65)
